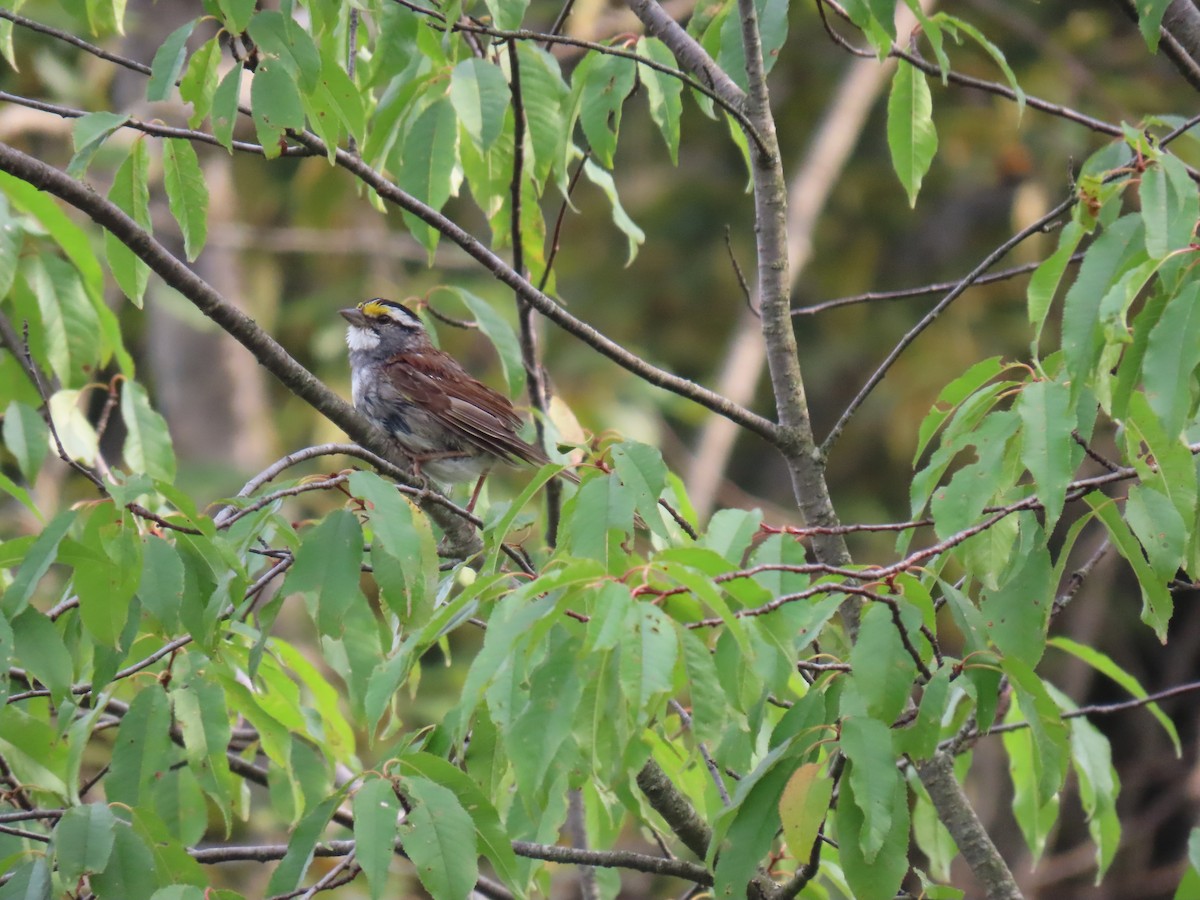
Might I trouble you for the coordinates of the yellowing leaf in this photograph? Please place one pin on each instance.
(802, 808)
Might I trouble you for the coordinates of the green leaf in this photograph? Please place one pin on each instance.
(35, 564)
(321, 697)
(236, 14)
(147, 442)
(19, 494)
(225, 107)
(493, 840)
(78, 436)
(168, 63)
(26, 437)
(335, 105)
(1150, 16)
(426, 164)
(199, 83)
(31, 880)
(1104, 664)
(873, 779)
(507, 14)
(1159, 527)
(912, 137)
(88, 134)
(162, 585)
(141, 749)
(1105, 261)
(709, 708)
(439, 837)
(512, 618)
(994, 52)
(744, 833)
(375, 810)
(772, 26)
(108, 567)
(664, 92)
(327, 569)
(282, 38)
(595, 518)
(648, 662)
(545, 97)
(187, 193)
(1035, 817)
(1047, 447)
(952, 396)
(603, 179)
(1172, 355)
(1157, 604)
(1044, 282)
(876, 876)
(40, 649)
(69, 326)
(1170, 206)
(295, 863)
(131, 192)
(403, 550)
(538, 732)
(75, 242)
(802, 808)
(640, 468)
(601, 83)
(877, 19)
(920, 740)
(199, 705)
(275, 102)
(1017, 611)
(882, 669)
(959, 504)
(1189, 885)
(1050, 751)
(12, 239)
(480, 96)
(83, 840)
(497, 330)
(1099, 784)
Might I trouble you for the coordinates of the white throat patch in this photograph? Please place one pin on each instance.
(361, 338)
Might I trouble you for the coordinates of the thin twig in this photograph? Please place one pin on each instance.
(741, 278)
(924, 290)
(979, 84)
(942, 305)
(153, 129)
(535, 375)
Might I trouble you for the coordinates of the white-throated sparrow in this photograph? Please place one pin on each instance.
(453, 427)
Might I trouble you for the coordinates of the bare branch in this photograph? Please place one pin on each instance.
(924, 290)
(942, 305)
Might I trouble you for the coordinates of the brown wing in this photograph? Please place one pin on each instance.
(469, 409)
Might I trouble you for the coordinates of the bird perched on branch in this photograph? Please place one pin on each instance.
(452, 426)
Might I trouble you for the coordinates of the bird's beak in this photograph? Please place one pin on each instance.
(354, 316)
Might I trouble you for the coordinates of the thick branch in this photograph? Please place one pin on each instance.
(796, 442)
(686, 49)
(957, 814)
(669, 803)
(615, 859)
